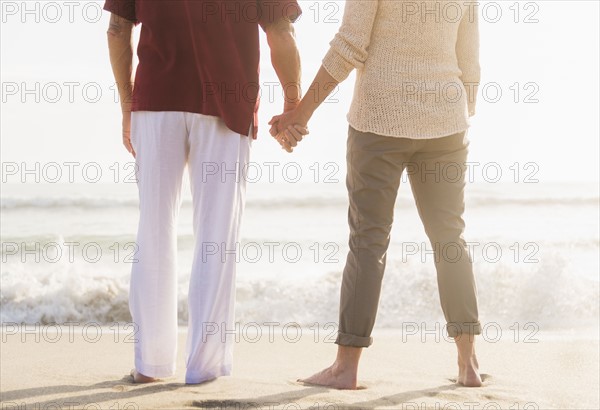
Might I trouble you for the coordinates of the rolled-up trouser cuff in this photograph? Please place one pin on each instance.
(345, 339)
(455, 329)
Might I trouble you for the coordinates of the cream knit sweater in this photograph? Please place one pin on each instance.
(417, 65)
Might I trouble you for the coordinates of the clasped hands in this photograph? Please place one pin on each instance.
(289, 128)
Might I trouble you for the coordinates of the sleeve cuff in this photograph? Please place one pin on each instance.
(471, 108)
(336, 65)
(471, 105)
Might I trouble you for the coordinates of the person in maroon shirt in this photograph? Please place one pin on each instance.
(194, 102)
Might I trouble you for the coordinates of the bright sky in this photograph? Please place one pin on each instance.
(554, 60)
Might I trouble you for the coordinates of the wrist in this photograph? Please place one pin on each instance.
(304, 111)
(290, 105)
(292, 91)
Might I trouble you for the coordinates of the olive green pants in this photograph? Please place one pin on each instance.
(436, 169)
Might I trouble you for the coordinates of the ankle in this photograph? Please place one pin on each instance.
(468, 362)
(344, 367)
(347, 359)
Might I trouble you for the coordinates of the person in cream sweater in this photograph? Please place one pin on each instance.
(416, 85)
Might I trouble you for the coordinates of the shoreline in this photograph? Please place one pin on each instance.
(81, 371)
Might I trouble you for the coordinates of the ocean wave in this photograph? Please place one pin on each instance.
(537, 201)
(17, 203)
(547, 294)
(93, 203)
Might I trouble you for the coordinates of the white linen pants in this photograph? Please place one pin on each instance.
(164, 143)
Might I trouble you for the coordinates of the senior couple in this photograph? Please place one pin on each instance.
(194, 101)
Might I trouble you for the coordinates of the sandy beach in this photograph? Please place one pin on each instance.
(76, 369)
(85, 224)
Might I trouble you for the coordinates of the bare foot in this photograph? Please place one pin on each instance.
(140, 378)
(334, 377)
(343, 374)
(468, 367)
(468, 373)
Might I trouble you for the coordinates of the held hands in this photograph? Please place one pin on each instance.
(289, 128)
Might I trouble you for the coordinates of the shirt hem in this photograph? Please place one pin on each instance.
(252, 124)
(412, 137)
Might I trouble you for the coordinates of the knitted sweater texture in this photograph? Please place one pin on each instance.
(417, 65)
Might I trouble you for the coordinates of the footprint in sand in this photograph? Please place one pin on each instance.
(485, 378)
(120, 388)
(362, 386)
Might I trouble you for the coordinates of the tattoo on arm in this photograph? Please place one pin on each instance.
(117, 25)
(282, 25)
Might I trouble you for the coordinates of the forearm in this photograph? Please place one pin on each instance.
(319, 90)
(286, 61)
(348, 51)
(285, 126)
(121, 58)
